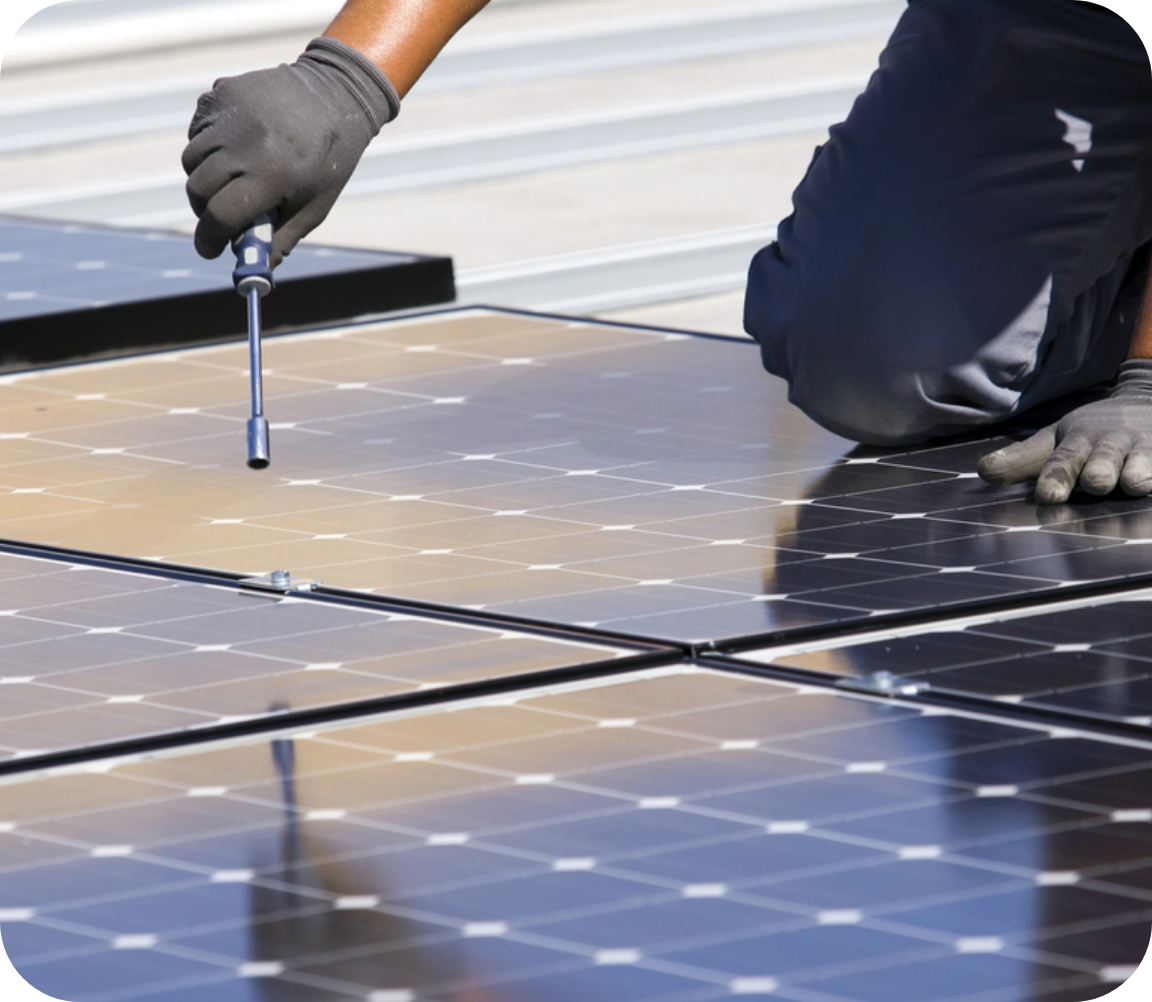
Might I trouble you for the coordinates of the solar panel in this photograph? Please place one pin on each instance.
(589, 702)
(681, 835)
(643, 481)
(71, 291)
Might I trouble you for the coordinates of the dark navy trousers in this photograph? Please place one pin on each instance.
(975, 238)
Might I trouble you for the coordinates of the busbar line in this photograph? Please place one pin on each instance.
(492, 151)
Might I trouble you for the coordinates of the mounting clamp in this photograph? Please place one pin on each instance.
(883, 683)
(280, 582)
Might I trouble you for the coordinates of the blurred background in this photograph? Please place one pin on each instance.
(622, 158)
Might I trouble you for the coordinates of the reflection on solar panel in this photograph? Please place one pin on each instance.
(641, 481)
(682, 836)
(623, 682)
(1094, 660)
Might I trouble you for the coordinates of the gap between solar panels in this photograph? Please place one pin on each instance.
(1049, 600)
(1057, 722)
(649, 654)
(318, 592)
(293, 720)
(926, 697)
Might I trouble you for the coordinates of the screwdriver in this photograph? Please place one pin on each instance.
(253, 280)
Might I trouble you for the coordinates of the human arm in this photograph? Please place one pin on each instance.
(402, 37)
(288, 138)
(1100, 445)
(1142, 338)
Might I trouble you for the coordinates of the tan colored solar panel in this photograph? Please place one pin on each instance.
(645, 481)
(473, 458)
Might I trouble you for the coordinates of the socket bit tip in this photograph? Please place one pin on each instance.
(259, 454)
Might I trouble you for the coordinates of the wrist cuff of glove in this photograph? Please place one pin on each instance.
(1134, 378)
(372, 90)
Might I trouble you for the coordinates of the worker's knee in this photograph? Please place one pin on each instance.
(861, 395)
(843, 370)
(875, 405)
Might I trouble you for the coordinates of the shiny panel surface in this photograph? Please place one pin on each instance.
(648, 482)
(1095, 659)
(681, 836)
(90, 655)
(47, 268)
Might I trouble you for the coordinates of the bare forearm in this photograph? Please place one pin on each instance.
(1142, 338)
(401, 37)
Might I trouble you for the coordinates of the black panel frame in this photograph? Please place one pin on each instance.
(134, 326)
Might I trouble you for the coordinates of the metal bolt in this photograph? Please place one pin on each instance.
(885, 681)
(281, 579)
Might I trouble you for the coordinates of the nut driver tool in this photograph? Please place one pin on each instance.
(253, 280)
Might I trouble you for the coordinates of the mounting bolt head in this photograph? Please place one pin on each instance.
(885, 681)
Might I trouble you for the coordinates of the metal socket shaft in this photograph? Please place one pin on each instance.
(259, 453)
(253, 280)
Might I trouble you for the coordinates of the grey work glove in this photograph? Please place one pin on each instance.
(286, 138)
(1102, 444)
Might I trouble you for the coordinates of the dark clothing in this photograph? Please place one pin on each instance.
(974, 239)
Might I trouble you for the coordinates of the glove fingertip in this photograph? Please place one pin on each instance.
(206, 248)
(993, 468)
(279, 252)
(1052, 495)
(1136, 483)
(1054, 486)
(190, 159)
(289, 232)
(1097, 488)
(1100, 480)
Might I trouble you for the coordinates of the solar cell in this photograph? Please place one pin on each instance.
(685, 835)
(644, 481)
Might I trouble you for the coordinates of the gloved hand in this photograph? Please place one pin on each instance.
(286, 138)
(1102, 444)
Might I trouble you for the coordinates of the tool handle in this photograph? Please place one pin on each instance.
(253, 250)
